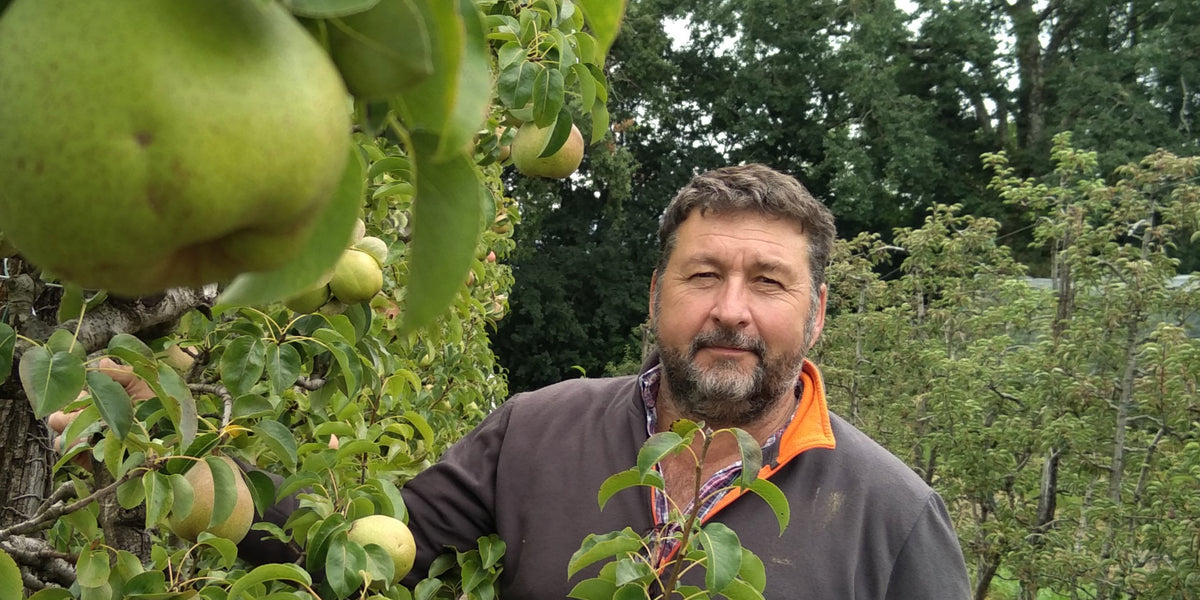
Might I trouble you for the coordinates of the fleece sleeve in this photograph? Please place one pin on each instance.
(451, 504)
(930, 566)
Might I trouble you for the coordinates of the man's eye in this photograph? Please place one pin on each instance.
(703, 275)
(770, 282)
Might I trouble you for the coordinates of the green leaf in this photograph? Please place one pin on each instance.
(100, 592)
(325, 9)
(395, 502)
(52, 594)
(130, 349)
(658, 447)
(283, 366)
(71, 305)
(182, 495)
(752, 571)
(548, 97)
(280, 440)
(421, 425)
(262, 490)
(630, 570)
(8, 342)
(514, 86)
(344, 562)
(601, 546)
(723, 553)
(265, 573)
(224, 490)
(319, 537)
(632, 591)
(51, 381)
(751, 453)
(627, 479)
(158, 497)
(113, 402)
(558, 137)
(379, 563)
(226, 548)
(329, 239)
(91, 570)
(131, 493)
(604, 17)
(346, 357)
(446, 227)
(775, 499)
(10, 578)
(593, 589)
(587, 86)
(491, 551)
(451, 104)
(599, 121)
(242, 364)
(740, 590)
(427, 589)
(181, 406)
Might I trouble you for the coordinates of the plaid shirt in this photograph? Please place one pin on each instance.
(711, 491)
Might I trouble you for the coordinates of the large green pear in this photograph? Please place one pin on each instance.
(196, 520)
(146, 144)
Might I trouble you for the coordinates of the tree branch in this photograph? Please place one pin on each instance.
(113, 317)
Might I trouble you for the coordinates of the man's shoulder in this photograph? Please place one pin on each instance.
(577, 398)
(585, 389)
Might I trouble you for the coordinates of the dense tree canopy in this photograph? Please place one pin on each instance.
(883, 113)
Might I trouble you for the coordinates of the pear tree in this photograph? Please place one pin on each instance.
(174, 179)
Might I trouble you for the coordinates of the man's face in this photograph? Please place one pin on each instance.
(734, 313)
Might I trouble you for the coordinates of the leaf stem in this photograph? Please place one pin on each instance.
(693, 515)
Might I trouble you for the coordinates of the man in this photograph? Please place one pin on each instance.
(736, 301)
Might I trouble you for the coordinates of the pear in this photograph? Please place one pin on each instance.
(309, 301)
(234, 528)
(374, 246)
(146, 145)
(530, 141)
(391, 534)
(356, 277)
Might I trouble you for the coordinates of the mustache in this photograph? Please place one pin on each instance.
(728, 338)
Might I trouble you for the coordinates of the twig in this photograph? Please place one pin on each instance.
(218, 390)
(58, 509)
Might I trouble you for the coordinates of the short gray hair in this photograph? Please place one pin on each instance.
(758, 189)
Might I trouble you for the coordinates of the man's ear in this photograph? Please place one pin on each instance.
(819, 321)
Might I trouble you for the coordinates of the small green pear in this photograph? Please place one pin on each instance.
(374, 246)
(530, 141)
(356, 277)
(309, 301)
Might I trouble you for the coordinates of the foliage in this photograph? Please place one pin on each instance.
(1058, 422)
(341, 406)
(730, 570)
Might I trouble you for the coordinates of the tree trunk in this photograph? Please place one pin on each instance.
(25, 457)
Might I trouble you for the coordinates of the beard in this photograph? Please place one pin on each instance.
(723, 395)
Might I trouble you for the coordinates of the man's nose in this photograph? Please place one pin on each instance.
(730, 307)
